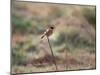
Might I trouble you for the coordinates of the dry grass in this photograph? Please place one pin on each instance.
(73, 61)
(72, 35)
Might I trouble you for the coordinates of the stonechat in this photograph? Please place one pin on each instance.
(48, 32)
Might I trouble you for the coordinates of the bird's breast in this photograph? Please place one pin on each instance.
(49, 32)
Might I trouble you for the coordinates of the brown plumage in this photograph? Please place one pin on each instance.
(48, 32)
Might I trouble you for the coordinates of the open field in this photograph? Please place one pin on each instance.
(73, 41)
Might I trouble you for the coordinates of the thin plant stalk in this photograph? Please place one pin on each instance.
(52, 53)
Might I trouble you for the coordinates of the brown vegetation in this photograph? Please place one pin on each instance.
(73, 41)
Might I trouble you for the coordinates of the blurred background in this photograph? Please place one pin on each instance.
(73, 41)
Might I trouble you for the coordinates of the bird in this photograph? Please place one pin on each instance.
(48, 32)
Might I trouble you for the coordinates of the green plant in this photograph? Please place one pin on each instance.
(60, 39)
(18, 57)
(90, 15)
(20, 25)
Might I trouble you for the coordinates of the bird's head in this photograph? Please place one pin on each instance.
(51, 27)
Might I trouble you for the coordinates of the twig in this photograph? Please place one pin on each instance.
(52, 53)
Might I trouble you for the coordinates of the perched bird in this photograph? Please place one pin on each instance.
(48, 32)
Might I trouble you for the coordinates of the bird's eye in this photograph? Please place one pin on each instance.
(52, 27)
